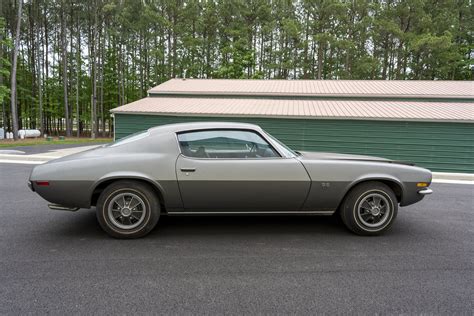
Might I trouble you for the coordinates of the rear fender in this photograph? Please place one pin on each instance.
(127, 176)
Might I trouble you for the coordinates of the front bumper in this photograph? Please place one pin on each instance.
(413, 194)
(425, 191)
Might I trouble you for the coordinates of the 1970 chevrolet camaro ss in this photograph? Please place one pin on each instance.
(225, 168)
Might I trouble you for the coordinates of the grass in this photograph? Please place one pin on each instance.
(5, 143)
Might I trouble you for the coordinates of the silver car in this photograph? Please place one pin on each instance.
(225, 168)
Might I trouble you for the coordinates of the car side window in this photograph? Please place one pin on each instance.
(228, 144)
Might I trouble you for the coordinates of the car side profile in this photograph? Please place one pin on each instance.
(225, 168)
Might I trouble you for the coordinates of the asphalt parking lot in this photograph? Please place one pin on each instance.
(59, 263)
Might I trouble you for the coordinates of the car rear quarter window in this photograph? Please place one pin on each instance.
(225, 144)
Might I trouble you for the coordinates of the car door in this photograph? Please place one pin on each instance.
(237, 170)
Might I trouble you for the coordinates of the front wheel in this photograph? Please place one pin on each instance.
(128, 209)
(369, 209)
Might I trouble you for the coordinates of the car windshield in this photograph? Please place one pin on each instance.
(285, 149)
(128, 139)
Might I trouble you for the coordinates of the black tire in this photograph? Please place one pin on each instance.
(110, 218)
(360, 219)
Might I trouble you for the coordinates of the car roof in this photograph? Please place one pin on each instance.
(182, 127)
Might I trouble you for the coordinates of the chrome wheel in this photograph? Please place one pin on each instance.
(373, 210)
(126, 210)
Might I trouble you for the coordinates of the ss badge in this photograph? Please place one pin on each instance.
(325, 185)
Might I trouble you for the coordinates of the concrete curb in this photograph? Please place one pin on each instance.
(453, 176)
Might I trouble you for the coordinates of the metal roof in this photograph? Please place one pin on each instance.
(318, 88)
(336, 109)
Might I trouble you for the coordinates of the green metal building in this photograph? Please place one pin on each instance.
(430, 123)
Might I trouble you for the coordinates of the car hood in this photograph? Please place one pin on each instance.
(307, 155)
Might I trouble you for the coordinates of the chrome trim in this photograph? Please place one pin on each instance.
(255, 213)
(188, 169)
(58, 207)
(377, 212)
(121, 210)
(425, 191)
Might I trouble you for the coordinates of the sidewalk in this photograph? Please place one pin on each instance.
(36, 159)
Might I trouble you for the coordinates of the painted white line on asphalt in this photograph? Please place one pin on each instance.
(11, 152)
(38, 156)
(453, 181)
(47, 156)
(24, 162)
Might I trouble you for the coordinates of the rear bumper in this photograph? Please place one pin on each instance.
(69, 194)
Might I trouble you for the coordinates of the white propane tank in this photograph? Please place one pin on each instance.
(29, 133)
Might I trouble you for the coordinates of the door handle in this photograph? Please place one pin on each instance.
(188, 169)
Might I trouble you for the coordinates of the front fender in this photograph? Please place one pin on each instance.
(377, 177)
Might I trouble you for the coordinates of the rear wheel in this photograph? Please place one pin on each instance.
(128, 209)
(369, 209)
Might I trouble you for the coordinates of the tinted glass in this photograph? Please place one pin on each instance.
(287, 151)
(225, 144)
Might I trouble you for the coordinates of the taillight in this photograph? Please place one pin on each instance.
(42, 183)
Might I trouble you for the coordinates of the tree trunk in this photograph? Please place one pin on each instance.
(94, 80)
(64, 62)
(13, 75)
(40, 87)
(4, 124)
(78, 71)
(385, 58)
(102, 57)
(320, 60)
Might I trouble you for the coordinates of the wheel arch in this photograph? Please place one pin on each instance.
(393, 183)
(104, 182)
